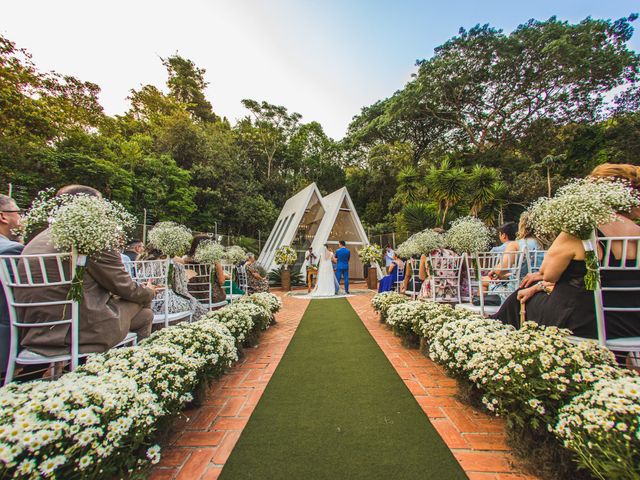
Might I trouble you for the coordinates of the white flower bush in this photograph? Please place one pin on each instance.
(100, 421)
(259, 314)
(602, 427)
(209, 252)
(237, 320)
(234, 254)
(468, 235)
(423, 242)
(382, 301)
(171, 238)
(400, 316)
(536, 378)
(267, 300)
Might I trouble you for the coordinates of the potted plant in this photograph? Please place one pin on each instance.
(285, 256)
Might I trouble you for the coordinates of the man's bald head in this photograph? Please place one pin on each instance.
(78, 190)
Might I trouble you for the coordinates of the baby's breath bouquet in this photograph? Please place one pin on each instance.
(578, 208)
(468, 235)
(423, 242)
(209, 252)
(41, 209)
(234, 254)
(85, 226)
(285, 256)
(370, 254)
(172, 239)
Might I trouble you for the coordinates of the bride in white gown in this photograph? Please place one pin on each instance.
(326, 284)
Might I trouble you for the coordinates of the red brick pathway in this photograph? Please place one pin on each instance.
(204, 438)
(477, 440)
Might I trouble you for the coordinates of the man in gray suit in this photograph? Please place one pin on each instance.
(112, 303)
(10, 216)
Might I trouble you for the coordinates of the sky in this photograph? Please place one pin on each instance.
(323, 59)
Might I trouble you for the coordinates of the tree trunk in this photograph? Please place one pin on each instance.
(549, 182)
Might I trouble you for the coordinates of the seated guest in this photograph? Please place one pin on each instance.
(112, 304)
(256, 282)
(556, 295)
(507, 234)
(133, 249)
(445, 288)
(10, 216)
(218, 276)
(178, 297)
(528, 240)
(388, 282)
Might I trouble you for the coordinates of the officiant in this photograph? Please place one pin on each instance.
(312, 267)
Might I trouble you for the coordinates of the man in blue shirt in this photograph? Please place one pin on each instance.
(342, 266)
(10, 216)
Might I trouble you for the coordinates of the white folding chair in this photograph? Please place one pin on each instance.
(533, 261)
(400, 279)
(157, 272)
(229, 271)
(445, 270)
(243, 281)
(199, 285)
(38, 272)
(627, 246)
(510, 265)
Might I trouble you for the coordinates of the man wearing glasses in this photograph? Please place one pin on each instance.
(10, 216)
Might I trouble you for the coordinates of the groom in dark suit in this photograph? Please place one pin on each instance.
(342, 266)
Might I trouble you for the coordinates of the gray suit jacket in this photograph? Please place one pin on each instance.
(110, 300)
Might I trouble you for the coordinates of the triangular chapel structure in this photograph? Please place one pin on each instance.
(308, 219)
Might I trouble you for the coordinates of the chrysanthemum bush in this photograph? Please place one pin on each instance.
(101, 420)
(537, 379)
(237, 320)
(382, 301)
(400, 317)
(171, 238)
(259, 314)
(602, 427)
(265, 299)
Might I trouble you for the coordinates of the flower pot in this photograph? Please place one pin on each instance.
(372, 279)
(286, 280)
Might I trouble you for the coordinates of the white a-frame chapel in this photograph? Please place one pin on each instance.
(309, 219)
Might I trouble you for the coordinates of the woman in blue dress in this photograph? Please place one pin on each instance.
(388, 282)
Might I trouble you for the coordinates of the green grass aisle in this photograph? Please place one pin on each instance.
(335, 409)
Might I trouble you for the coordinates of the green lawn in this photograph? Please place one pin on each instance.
(336, 409)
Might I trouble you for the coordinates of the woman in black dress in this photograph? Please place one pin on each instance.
(556, 295)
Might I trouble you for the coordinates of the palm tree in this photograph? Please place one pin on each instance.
(549, 162)
(418, 216)
(448, 185)
(484, 182)
(409, 184)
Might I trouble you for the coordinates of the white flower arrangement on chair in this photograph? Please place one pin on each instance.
(234, 254)
(171, 238)
(468, 235)
(209, 252)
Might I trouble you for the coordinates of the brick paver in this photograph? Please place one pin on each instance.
(203, 438)
(476, 439)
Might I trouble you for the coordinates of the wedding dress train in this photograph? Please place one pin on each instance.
(326, 284)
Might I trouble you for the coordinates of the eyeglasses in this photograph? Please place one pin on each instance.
(20, 211)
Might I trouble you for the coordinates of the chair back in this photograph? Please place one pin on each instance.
(444, 276)
(414, 281)
(533, 261)
(229, 272)
(399, 277)
(155, 272)
(510, 266)
(624, 292)
(199, 285)
(32, 272)
(243, 281)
